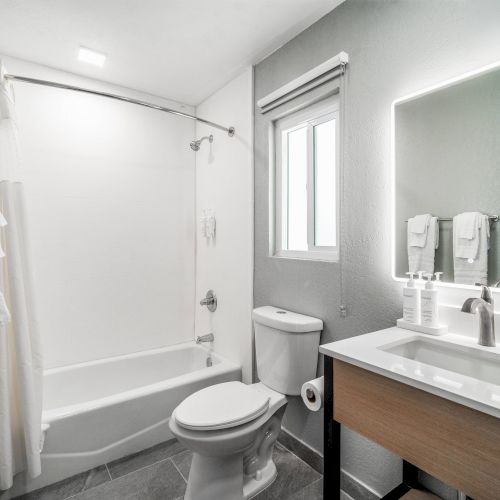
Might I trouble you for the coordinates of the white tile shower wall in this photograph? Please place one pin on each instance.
(110, 199)
(224, 184)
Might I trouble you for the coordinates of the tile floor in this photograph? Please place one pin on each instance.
(161, 473)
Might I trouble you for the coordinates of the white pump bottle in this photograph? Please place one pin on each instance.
(429, 304)
(411, 301)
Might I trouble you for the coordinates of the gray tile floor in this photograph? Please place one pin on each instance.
(160, 473)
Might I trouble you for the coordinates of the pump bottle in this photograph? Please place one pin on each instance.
(411, 301)
(429, 303)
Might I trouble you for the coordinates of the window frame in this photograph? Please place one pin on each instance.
(309, 117)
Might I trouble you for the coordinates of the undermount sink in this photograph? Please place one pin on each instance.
(475, 363)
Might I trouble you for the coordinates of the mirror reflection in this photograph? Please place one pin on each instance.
(447, 175)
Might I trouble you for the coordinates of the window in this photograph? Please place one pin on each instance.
(306, 183)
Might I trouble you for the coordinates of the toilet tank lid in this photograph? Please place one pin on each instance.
(287, 321)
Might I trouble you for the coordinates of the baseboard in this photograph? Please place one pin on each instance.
(355, 488)
(309, 455)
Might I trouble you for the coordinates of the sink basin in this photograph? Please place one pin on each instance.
(475, 363)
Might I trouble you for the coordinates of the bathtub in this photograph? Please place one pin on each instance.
(102, 410)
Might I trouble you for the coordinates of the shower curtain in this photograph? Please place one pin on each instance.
(20, 350)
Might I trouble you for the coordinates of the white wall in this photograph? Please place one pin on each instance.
(110, 199)
(224, 184)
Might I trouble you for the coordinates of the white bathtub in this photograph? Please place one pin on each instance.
(103, 410)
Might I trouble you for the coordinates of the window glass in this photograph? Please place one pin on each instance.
(306, 224)
(297, 190)
(324, 184)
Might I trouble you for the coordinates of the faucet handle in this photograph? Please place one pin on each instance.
(485, 293)
(210, 301)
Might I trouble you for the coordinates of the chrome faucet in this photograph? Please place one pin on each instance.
(209, 337)
(485, 307)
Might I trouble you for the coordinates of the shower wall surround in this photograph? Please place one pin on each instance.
(224, 185)
(395, 48)
(110, 201)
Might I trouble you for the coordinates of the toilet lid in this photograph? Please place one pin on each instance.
(221, 406)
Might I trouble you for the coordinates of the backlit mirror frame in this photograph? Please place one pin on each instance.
(410, 97)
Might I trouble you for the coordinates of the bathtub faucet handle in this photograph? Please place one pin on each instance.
(210, 301)
(209, 337)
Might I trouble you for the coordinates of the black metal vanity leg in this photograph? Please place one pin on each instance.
(331, 439)
(336, 461)
(410, 474)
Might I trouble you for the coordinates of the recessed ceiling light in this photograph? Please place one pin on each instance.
(91, 56)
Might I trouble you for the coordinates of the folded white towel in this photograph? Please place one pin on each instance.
(466, 234)
(419, 223)
(467, 225)
(421, 258)
(418, 227)
(470, 256)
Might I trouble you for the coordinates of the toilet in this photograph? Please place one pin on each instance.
(232, 427)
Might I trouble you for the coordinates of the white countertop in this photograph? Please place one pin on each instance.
(365, 351)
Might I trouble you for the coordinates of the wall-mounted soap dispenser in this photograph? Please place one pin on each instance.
(208, 225)
(411, 301)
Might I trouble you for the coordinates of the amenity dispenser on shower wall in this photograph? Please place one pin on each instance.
(208, 225)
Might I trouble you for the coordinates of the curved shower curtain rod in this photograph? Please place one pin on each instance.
(47, 83)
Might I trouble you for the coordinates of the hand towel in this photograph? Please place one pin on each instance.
(470, 256)
(466, 234)
(467, 225)
(418, 227)
(421, 258)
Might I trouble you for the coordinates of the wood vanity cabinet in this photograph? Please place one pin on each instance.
(457, 444)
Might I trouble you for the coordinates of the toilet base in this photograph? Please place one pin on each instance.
(213, 478)
(253, 486)
(235, 463)
(240, 475)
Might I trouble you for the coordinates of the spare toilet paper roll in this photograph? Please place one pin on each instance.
(312, 394)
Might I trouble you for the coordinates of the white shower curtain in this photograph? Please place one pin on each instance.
(20, 350)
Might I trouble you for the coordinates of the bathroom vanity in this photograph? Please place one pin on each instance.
(434, 401)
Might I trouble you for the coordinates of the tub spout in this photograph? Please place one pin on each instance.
(209, 337)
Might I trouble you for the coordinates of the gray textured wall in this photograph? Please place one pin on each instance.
(448, 162)
(396, 47)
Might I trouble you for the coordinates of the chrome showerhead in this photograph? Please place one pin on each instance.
(195, 145)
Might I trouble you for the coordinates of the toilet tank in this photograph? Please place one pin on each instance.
(286, 348)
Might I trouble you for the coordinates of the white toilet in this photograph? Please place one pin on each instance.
(231, 428)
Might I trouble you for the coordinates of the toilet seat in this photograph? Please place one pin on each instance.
(221, 406)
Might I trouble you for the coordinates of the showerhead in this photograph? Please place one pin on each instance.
(195, 145)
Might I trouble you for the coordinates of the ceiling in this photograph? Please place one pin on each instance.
(179, 49)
